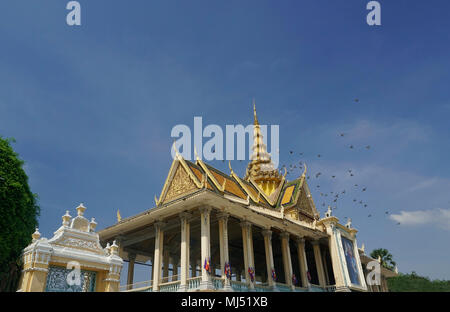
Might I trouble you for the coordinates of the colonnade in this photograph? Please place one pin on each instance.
(186, 261)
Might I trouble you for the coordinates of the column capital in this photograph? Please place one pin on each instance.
(315, 242)
(185, 216)
(245, 223)
(223, 216)
(205, 209)
(300, 239)
(285, 235)
(160, 225)
(267, 233)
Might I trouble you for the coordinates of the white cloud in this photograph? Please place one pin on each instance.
(438, 217)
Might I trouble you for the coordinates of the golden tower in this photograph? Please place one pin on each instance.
(260, 168)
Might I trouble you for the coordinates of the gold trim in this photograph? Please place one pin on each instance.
(178, 160)
(244, 187)
(211, 176)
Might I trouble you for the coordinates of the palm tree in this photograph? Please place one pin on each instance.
(385, 256)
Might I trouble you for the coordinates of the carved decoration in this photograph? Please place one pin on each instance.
(180, 184)
(80, 244)
(305, 206)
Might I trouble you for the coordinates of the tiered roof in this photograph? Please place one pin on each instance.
(292, 198)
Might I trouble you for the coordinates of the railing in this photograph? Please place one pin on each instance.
(141, 289)
(136, 286)
(264, 287)
(170, 286)
(194, 282)
(316, 288)
(239, 286)
(218, 282)
(301, 289)
(169, 279)
(283, 287)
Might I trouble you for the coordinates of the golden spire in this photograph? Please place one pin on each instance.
(261, 169)
(256, 123)
(119, 218)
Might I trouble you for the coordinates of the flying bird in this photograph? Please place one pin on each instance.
(351, 146)
(342, 134)
(364, 189)
(368, 146)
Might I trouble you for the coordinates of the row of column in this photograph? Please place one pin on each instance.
(249, 261)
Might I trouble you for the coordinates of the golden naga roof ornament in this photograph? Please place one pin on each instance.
(304, 171)
(256, 199)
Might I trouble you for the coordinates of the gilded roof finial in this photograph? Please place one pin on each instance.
(254, 112)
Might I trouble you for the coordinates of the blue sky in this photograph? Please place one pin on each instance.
(92, 107)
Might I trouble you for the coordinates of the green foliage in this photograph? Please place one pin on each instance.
(413, 282)
(386, 257)
(18, 214)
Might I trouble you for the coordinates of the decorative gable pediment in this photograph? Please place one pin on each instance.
(179, 185)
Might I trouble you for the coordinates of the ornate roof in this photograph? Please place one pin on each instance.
(262, 186)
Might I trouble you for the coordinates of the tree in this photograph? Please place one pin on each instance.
(386, 257)
(414, 282)
(18, 215)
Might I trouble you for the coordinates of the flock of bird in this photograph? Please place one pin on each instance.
(331, 198)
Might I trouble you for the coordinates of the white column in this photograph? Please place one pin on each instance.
(159, 243)
(184, 258)
(319, 264)
(269, 256)
(205, 214)
(248, 251)
(223, 240)
(132, 259)
(302, 261)
(286, 253)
